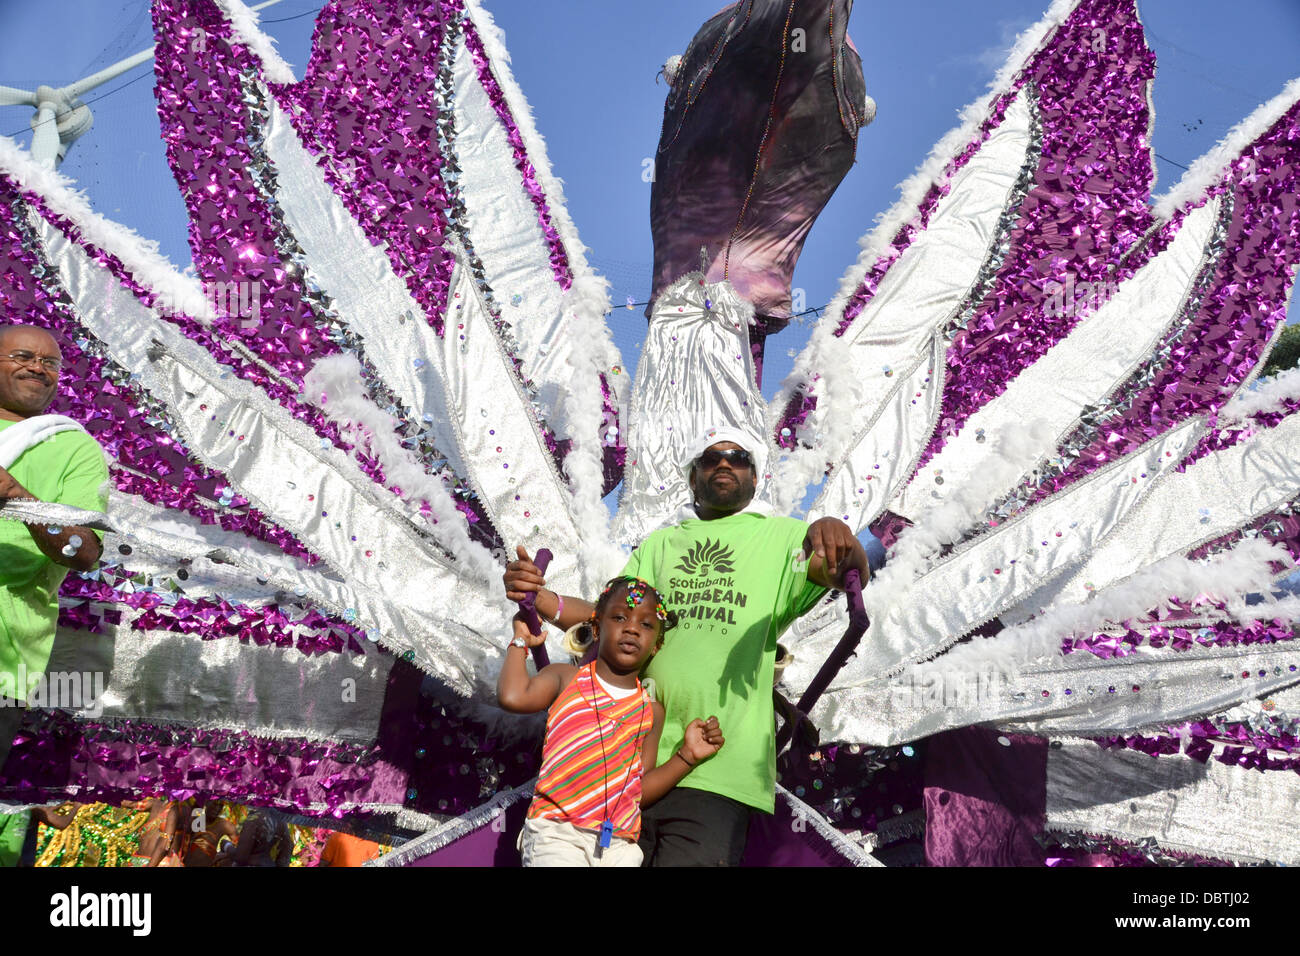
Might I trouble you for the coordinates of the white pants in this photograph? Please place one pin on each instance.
(552, 843)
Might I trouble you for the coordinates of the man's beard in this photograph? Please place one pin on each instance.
(730, 497)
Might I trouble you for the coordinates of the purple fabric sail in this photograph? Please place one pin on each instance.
(760, 125)
(985, 800)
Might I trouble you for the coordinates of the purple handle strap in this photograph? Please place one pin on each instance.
(528, 607)
(837, 659)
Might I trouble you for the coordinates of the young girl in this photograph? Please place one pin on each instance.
(602, 735)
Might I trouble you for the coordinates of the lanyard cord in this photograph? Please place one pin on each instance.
(604, 764)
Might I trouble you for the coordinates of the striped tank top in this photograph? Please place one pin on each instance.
(586, 761)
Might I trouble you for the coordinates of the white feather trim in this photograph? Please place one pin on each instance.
(245, 25)
(582, 411)
(1267, 397)
(1272, 608)
(1012, 455)
(176, 292)
(1209, 168)
(1228, 577)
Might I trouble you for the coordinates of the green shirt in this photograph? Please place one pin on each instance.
(13, 831)
(736, 584)
(68, 469)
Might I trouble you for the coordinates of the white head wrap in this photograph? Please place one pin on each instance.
(711, 436)
(719, 433)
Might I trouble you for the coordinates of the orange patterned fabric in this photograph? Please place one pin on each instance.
(591, 762)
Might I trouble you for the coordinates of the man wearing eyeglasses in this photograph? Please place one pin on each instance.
(46, 458)
(737, 576)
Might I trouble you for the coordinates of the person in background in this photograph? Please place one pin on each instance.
(47, 458)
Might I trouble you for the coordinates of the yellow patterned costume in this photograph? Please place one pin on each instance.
(100, 834)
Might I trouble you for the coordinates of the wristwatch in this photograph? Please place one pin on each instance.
(517, 641)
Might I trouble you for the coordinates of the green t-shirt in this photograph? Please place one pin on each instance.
(69, 469)
(736, 584)
(13, 831)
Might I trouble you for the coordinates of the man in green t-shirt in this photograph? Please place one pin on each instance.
(737, 577)
(47, 458)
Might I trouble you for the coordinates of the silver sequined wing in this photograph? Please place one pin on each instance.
(393, 365)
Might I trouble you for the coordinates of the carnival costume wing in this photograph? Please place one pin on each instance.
(392, 362)
(1036, 388)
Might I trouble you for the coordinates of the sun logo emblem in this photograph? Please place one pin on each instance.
(707, 558)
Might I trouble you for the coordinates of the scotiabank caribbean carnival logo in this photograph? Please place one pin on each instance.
(707, 596)
(707, 558)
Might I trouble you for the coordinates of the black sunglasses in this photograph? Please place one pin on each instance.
(736, 457)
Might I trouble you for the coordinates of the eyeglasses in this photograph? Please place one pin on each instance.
(736, 457)
(31, 360)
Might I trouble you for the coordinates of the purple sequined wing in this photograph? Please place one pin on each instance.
(404, 219)
(134, 616)
(952, 298)
(1015, 520)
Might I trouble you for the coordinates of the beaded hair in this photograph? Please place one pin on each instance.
(637, 592)
(579, 639)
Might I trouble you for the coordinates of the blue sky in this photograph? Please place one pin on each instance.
(588, 69)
